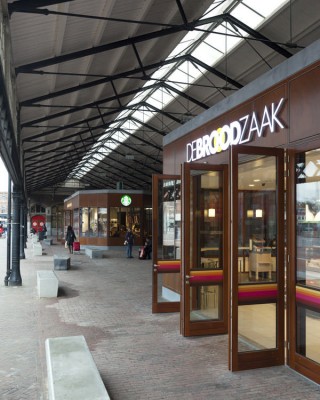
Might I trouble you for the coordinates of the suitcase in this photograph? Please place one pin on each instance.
(76, 247)
(142, 253)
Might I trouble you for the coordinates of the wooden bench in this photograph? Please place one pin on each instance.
(72, 372)
(47, 284)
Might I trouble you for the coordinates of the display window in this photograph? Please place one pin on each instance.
(103, 222)
(89, 221)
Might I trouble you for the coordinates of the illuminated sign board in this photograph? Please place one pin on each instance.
(126, 200)
(69, 205)
(237, 132)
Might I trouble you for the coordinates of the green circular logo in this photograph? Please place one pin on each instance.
(126, 200)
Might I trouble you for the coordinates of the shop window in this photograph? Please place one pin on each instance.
(76, 222)
(122, 218)
(84, 218)
(89, 221)
(102, 222)
(308, 219)
(308, 254)
(37, 208)
(93, 221)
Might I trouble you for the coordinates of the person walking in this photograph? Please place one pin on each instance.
(129, 239)
(70, 238)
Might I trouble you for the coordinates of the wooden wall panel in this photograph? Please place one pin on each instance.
(304, 93)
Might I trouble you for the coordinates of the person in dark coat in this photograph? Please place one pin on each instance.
(70, 238)
(129, 238)
(148, 248)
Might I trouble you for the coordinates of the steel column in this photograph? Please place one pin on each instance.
(15, 277)
(9, 220)
(22, 228)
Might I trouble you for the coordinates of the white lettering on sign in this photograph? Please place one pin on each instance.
(238, 132)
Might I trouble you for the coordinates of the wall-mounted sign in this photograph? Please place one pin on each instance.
(237, 132)
(126, 200)
(69, 205)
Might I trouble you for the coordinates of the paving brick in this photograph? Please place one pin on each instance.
(140, 355)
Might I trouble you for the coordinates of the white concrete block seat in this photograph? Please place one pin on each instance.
(47, 284)
(72, 372)
(37, 249)
(61, 262)
(96, 252)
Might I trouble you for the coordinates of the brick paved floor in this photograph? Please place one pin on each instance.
(140, 356)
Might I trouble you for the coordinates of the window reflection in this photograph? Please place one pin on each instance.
(257, 221)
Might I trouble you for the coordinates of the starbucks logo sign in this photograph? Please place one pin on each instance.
(126, 200)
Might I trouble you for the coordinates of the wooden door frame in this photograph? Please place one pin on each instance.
(159, 307)
(201, 328)
(269, 357)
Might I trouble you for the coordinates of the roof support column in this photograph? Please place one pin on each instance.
(15, 277)
(22, 230)
(6, 279)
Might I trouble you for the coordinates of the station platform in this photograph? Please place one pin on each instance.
(140, 355)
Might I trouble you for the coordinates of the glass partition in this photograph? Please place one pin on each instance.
(84, 221)
(103, 222)
(308, 255)
(257, 261)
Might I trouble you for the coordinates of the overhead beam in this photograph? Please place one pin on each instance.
(127, 74)
(118, 44)
(19, 5)
(190, 26)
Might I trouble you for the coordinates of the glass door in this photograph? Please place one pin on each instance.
(257, 257)
(166, 238)
(304, 282)
(204, 263)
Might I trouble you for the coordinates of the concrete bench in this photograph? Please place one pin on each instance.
(37, 249)
(95, 253)
(48, 242)
(34, 238)
(47, 284)
(72, 372)
(61, 263)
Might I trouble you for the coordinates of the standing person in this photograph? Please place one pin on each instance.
(129, 238)
(70, 238)
(44, 231)
(148, 248)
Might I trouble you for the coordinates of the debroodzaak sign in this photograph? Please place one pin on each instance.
(237, 132)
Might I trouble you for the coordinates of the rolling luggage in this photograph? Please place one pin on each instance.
(142, 253)
(76, 247)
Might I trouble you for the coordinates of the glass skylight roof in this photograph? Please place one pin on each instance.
(209, 43)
